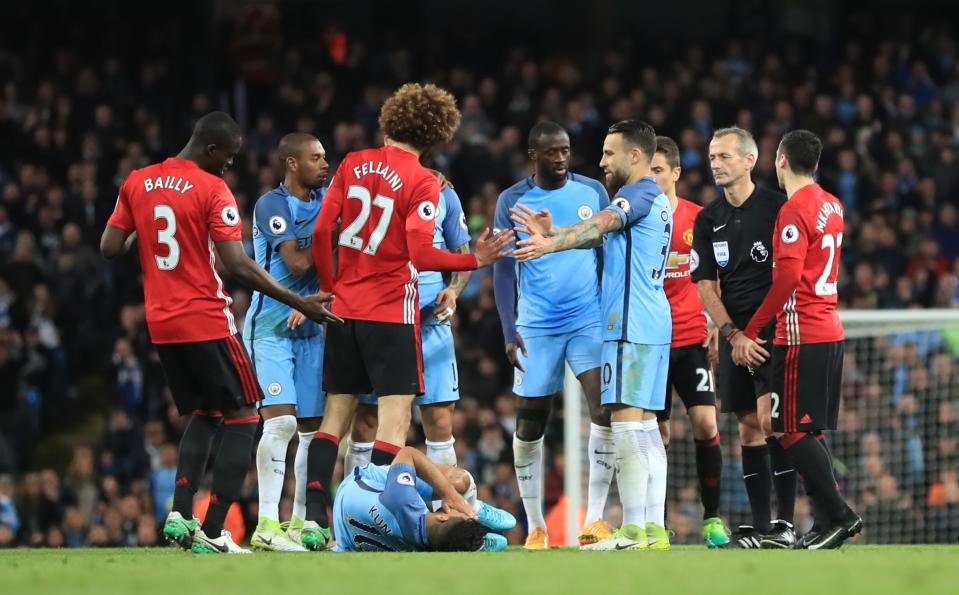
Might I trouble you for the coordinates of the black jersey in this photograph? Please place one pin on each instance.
(734, 244)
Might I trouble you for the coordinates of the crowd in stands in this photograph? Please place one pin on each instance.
(88, 430)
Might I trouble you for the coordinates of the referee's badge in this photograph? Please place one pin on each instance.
(721, 251)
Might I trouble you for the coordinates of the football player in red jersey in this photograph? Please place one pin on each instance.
(689, 371)
(183, 214)
(807, 349)
(386, 205)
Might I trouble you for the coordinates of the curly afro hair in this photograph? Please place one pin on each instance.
(420, 115)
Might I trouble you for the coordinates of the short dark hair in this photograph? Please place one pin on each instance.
(544, 128)
(458, 535)
(420, 115)
(216, 128)
(291, 145)
(638, 134)
(802, 148)
(669, 149)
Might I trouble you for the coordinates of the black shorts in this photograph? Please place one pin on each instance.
(690, 375)
(364, 356)
(807, 381)
(209, 376)
(738, 387)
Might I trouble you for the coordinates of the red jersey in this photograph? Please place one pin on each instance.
(689, 317)
(386, 204)
(178, 211)
(806, 248)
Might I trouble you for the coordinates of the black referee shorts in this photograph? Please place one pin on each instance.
(738, 387)
(209, 376)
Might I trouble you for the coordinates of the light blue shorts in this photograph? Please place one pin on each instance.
(440, 375)
(290, 372)
(545, 371)
(635, 374)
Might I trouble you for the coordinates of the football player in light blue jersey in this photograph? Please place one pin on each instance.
(440, 375)
(288, 362)
(386, 508)
(550, 312)
(636, 230)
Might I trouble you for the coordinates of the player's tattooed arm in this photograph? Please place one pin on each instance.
(446, 298)
(545, 238)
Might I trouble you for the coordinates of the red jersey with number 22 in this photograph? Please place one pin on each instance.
(689, 318)
(809, 229)
(179, 211)
(381, 197)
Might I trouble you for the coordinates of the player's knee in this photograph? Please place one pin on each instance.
(703, 420)
(531, 424)
(282, 427)
(766, 423)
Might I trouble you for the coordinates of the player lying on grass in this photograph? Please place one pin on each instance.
(385, 508)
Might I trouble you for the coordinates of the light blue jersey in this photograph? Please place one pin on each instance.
(635, 308)
(381, 509)
(560, 292)
(451, 233)
(281, 217)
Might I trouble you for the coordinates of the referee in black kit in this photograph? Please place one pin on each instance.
(732, 258)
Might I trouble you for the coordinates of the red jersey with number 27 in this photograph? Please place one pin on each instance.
(689, 317)
(809, 229)
(386, 204)
(179, 211)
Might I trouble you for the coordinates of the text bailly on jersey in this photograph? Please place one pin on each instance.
(189, 209)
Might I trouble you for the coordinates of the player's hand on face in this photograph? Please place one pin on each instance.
(533, 247)
(445, 305)
(747, 352)
(489, 248)
(512, 349)
(531, 222)
(315, 308)
(455, 502)
(712, 345)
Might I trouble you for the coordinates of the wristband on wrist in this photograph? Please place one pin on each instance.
(728, 331)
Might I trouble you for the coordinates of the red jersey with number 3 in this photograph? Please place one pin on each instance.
(179, 211)
(809, 228)
(381, 197)
(689, 317)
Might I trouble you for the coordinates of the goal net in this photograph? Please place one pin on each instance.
(896, 452)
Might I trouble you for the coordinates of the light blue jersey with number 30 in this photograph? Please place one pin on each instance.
(635, 307)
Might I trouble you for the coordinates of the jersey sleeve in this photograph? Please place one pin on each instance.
(122, 217)
(404, 502)
(420, 226)
(791, 239)
(223, 218)
(501, 218)
(274, 220)
(325, 226)
(423, 206)
(702, 261)
(455, 232)
(632, 207)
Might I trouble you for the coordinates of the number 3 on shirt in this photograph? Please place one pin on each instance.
(823, 285)
(165, 237)
(348, 236)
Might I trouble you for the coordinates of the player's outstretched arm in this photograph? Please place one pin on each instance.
(431, 474)
(585, 234)
(239, 265)
(116, 241)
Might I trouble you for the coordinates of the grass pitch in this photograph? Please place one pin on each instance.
(876, 570)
